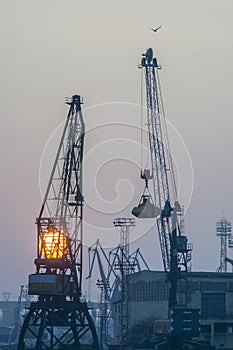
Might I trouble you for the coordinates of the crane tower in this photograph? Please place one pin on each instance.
(60, 319)
(124, 225)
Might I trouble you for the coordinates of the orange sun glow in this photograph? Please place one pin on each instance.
(53, 245)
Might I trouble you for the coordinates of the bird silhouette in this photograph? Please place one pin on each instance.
(155, 29)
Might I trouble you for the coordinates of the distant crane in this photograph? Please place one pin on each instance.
(113, 267)
(59, 319)
(107, 282)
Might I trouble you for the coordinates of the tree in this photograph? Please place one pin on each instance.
(142, 332)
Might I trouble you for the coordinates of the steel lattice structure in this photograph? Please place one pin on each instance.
(62, 207)
(60, 319)
(125, 267)
(175, 250)
(113, 267)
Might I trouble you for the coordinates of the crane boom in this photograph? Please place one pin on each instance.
(161, 173)
(155, 133)
(176, 253)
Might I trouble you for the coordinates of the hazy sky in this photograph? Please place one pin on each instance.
(53, 49)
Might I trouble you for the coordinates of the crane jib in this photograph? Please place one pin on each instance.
(176, 252)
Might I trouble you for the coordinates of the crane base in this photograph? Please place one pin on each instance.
(58, 324)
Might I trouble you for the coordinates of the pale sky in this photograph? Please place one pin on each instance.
(53, 49)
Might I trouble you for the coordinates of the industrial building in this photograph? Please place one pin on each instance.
(211, 292)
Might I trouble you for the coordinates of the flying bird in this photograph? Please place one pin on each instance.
(155, 29)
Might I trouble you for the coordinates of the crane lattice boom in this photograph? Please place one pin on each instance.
(176, 253)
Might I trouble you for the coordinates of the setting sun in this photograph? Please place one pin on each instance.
(53, 245)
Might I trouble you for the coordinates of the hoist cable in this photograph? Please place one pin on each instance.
(171, 167)
(141, 131)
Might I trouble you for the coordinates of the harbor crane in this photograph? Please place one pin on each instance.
(176, 252)
(168, 213)
(60, 319)
(108, 283)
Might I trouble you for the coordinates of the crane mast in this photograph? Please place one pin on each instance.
(176, 253)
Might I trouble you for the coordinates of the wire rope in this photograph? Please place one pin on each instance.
(141, 126)
(171, 167)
